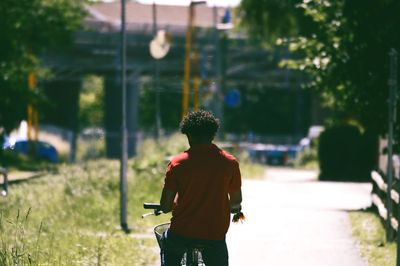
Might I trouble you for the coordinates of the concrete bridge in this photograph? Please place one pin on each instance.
(227, 58)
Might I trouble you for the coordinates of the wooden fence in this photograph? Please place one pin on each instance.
(387, 205)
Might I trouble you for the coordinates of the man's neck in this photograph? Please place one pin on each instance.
(200, 143)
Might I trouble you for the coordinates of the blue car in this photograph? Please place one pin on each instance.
(269, 154)
(43, 149)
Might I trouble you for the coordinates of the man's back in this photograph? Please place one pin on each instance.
(202, 176)
(206, 183)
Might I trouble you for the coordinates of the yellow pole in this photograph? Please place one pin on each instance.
(36, 124)
(32, 117)
(30, 122)
(186, 75)
(196, 81)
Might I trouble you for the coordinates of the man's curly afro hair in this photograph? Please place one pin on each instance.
(199, 123)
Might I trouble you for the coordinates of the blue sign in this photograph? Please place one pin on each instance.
(227, 16)
(232, 98)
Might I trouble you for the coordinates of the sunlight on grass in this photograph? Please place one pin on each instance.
(72, 218)
(368, 230)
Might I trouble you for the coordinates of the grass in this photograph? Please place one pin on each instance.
(307, 159)
(70, 216)
(19, 162)
(370, 233)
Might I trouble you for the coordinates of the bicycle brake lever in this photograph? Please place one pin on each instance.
(147, 214)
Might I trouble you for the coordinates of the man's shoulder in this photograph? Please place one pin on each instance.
(179, 158)
(226, 155)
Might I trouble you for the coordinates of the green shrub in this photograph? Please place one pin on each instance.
(345, 154)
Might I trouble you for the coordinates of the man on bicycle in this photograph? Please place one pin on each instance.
(202, 186)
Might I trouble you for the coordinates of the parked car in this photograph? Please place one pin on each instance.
(269, 154)
(43, 149)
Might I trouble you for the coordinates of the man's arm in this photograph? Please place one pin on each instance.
(167, 200)
(236, 200)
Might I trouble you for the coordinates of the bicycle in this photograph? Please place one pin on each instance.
(192, 256)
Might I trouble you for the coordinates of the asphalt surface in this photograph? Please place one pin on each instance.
(291, 219)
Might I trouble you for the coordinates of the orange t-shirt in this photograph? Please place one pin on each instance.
(202, 177)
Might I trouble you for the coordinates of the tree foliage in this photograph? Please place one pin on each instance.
(91, 105)
(27, 27)
(342, 45)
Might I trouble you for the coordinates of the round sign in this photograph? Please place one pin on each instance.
(160, 45)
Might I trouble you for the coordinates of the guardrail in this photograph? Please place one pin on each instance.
(386, 204)
(4, 190)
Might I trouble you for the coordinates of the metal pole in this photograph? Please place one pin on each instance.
(219, 100)
(124, 142)
(195, 64)
(393, 117)
(186, 75)
(31, 108)
(156, 78)
(222, 72)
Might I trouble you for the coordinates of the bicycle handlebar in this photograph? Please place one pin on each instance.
(152, 206)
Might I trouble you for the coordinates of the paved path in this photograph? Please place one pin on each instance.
(294, 220)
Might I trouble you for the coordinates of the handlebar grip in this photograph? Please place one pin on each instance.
(236, 210)
(152, 206)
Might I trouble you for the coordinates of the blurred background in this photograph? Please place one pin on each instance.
(276, 74)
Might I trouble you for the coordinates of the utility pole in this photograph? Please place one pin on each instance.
(188, 55)
(157, 78)
(124, 142)
(217, 63)
(392, 121)
(32, 111)
(221, 49)
(32, 117)
(186, 74)
(196, 77)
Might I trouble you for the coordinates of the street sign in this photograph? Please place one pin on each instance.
(232, 98)
(160, 45)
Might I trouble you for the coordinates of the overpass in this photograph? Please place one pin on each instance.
(227, 59)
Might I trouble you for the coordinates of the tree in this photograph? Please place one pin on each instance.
(91, 109)
(342, 46)
(27, 27)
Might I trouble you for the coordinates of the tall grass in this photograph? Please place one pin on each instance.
(370, 234)
(71, 216)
